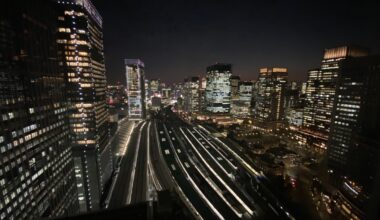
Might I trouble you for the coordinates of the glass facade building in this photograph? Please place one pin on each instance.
(135, 88)
(80, 38)
(218, 88)
(320, 91)
(37, 178)
(154, 87)
(269, 100)
(354, 143)
(314, 77)
(242, 107)
(191, 94)
(202, 93)
(235, 80)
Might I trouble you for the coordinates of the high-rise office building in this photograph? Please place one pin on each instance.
(320, 91)
(154, 87)
(202, 93)
(291, 95)
(148, 100)
(269, 100)
(235, 87)
(241, 107)
(354, 143)
(156, 103)
(177, 90)
(135, 88)
(166, 95)
(166, 92)
(81, 44)
(191, 94)
(218, 88)
(314, 77)
(37, 178)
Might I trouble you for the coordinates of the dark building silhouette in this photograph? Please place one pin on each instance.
(354, 141)
(37, 176)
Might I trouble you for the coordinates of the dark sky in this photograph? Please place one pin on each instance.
(180, 38)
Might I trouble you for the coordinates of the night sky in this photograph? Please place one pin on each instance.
(180, 38)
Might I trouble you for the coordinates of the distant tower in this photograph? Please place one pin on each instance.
(242, 106)
(191, 96)
(218, 88)
(135, 88)
(235, 87)
(270, 94)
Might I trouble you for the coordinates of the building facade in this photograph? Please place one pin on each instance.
(156, 103)
(154, 87)
(191, 96)
(294, 116)
(166, 95)
(218, 88)
(269, 100)
(242, 107)
(37, 178)
(353, 146)
(202, 93)
(235, 80)
(135, 88)
(148, 98)
(320, 91)
(80, 40)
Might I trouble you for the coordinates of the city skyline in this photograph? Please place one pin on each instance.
(189, 130)
(250, 35)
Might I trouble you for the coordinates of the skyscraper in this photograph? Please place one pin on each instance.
(235, 87)
(81, 44)
(202, 93)
(320, 91)
(135, 88)
(191, 94)
(166, 95)
(154, 87)
(37, 178)
(148, 100)
(354, 143)
(218, 88)
(314, 77)
(242, 106)
(269, 100)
